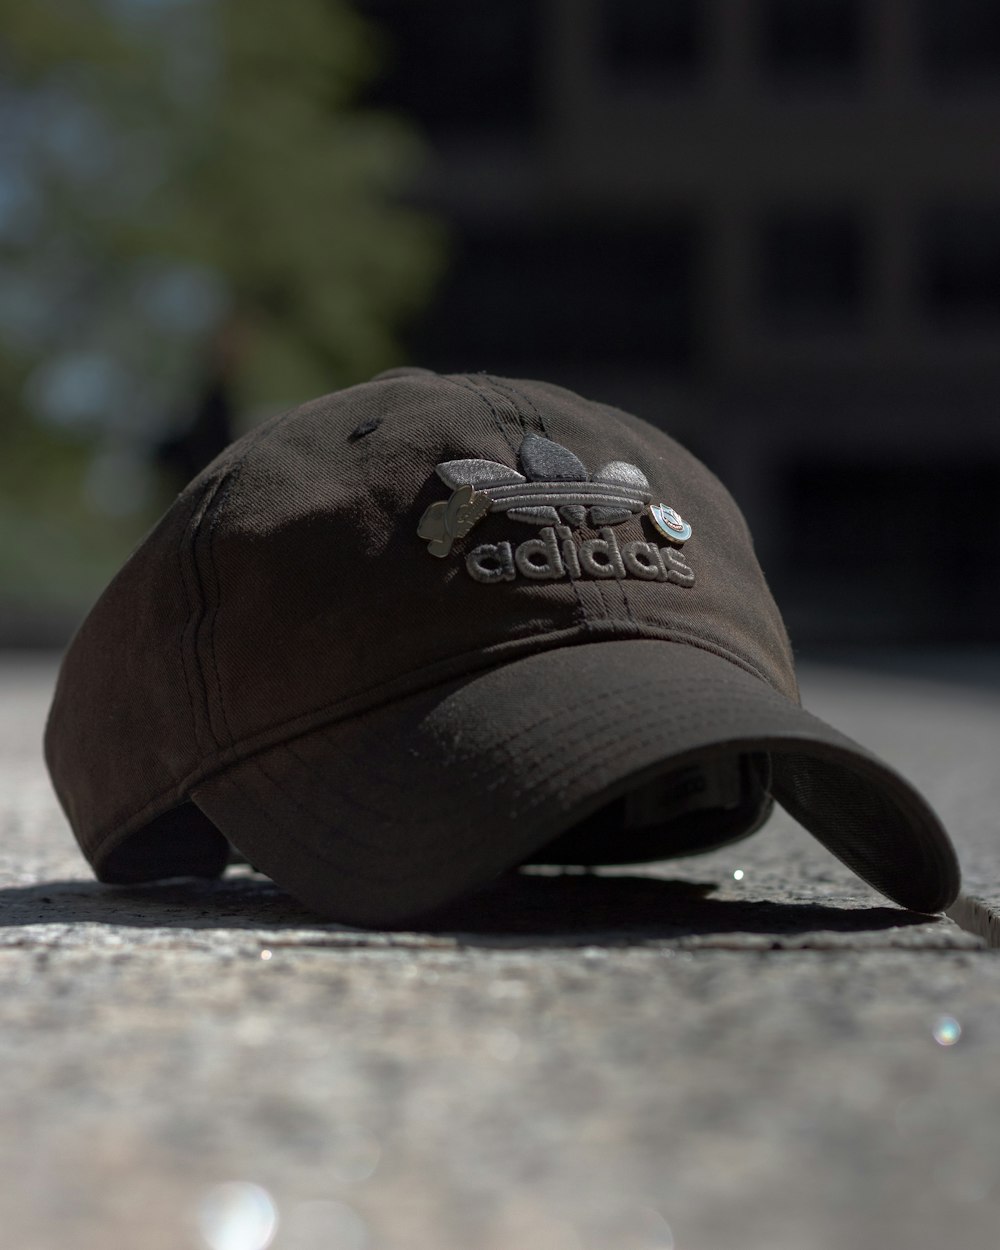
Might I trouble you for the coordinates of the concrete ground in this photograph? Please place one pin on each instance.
(746, 1051)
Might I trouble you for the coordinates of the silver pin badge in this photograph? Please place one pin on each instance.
(669, 523)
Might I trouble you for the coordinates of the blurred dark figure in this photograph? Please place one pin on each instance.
(211, 425)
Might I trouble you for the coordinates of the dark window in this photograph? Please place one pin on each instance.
(870, 548)
(811, 42)
(541, 293)
(660, 40)
(960, 277)
(811, 271)
(960, 43)
(456, 66)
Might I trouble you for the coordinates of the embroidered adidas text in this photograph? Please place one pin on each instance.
(554, 555)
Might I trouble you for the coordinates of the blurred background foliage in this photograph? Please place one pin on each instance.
(199, 225)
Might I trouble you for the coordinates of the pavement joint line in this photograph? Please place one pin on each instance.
(977, 917)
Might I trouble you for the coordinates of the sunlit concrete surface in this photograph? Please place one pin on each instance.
(747, 1051)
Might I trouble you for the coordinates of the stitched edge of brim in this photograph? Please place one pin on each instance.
(391, 814)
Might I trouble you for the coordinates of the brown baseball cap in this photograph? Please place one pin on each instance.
(405, 637)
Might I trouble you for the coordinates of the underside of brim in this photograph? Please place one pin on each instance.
(386, 816)
(871, 819)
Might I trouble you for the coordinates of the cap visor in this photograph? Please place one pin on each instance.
(382, 817)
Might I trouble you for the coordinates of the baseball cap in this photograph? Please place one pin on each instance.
(417, 632)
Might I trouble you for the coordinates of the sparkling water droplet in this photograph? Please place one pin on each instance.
(946, 1030)
(237, 1215)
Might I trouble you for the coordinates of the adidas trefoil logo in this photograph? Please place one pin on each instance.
(555, 484)
(554, 491)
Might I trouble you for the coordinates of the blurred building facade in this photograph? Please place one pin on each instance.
(771, 227)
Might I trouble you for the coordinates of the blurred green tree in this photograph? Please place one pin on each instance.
(191, 199)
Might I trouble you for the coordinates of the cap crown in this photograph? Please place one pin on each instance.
(293, 583)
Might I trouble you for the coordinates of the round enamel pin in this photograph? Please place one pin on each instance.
(669, 523)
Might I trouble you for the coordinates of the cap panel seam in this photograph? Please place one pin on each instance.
(216, 506)
(466, 384)
(208, 585)
(607, 609)
(501, 385)
(224, 497)
(582, 615)
(195, 592)
(194, 601)
(620, 581)
(480, 392)
(576, 583)
(503, 404)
